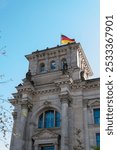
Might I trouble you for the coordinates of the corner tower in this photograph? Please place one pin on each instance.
(50, 61)
(53, 101)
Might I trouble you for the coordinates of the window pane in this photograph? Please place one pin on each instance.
(53, 65)
(96, 116)
(98, 139)
(42, 67)
(57, 119)
(48, 148)
(41, 121)
(49, 119)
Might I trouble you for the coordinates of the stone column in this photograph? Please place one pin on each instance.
(23, 120)
(13, 138)
(56, 146)
(64, 121)
(31, 126)
(86, 128)
(36, 147)
(25, 105)
(47, 64)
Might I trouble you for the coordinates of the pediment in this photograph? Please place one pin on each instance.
(94, 103)
(45, 134)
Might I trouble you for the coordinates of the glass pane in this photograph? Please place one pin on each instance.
(98, 139)
(53, 65)
(48, 148)
(57, 119)
(42, 67)
(97, 116)
(49, 119)
(41, 121)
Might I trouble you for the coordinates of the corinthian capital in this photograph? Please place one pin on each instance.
(65, 97)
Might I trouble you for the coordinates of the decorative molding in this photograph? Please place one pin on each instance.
(85, 85)
(44, 134)
(65, 97)
(64, 79)
(48, 91)
(93, 103)
(26, 104)
(13, 101)
(25, 89)
(52, 52)
(14, 114)
(47, 103)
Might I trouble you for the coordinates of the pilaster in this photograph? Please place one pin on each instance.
(25, 108)
(65, 100)
(86, 126)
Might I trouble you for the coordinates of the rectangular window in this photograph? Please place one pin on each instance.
(98, 139)
(96, 113)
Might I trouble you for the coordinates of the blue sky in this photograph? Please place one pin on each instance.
(28, 25)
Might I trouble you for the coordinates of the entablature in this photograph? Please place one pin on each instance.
(86, 84)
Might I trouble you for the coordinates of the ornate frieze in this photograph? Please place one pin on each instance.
(47, 91)
(87, 84)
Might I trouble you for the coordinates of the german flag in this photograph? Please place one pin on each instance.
(66, 40)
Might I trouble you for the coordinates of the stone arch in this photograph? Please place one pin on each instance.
(53, 65)
(42, 67)
(37, 113)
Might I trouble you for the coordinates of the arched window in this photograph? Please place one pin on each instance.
(49, 119)
(42, 67)
(63, 61)
(53, 65)
(41, 121)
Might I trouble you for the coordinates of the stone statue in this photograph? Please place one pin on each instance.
(29, 76)
(82, 75)
(65, 67)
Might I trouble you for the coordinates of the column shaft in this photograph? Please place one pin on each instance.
(86, 128)
(36, 147)
(23, 120)
(64, 126)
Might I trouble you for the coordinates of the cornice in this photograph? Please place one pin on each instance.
(13, 101)
(93, 103)
(47, 91)
(85, 85)
(52, 52)
(64, 79)
(25, 89)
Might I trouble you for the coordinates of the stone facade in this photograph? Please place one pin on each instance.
(49, 85)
